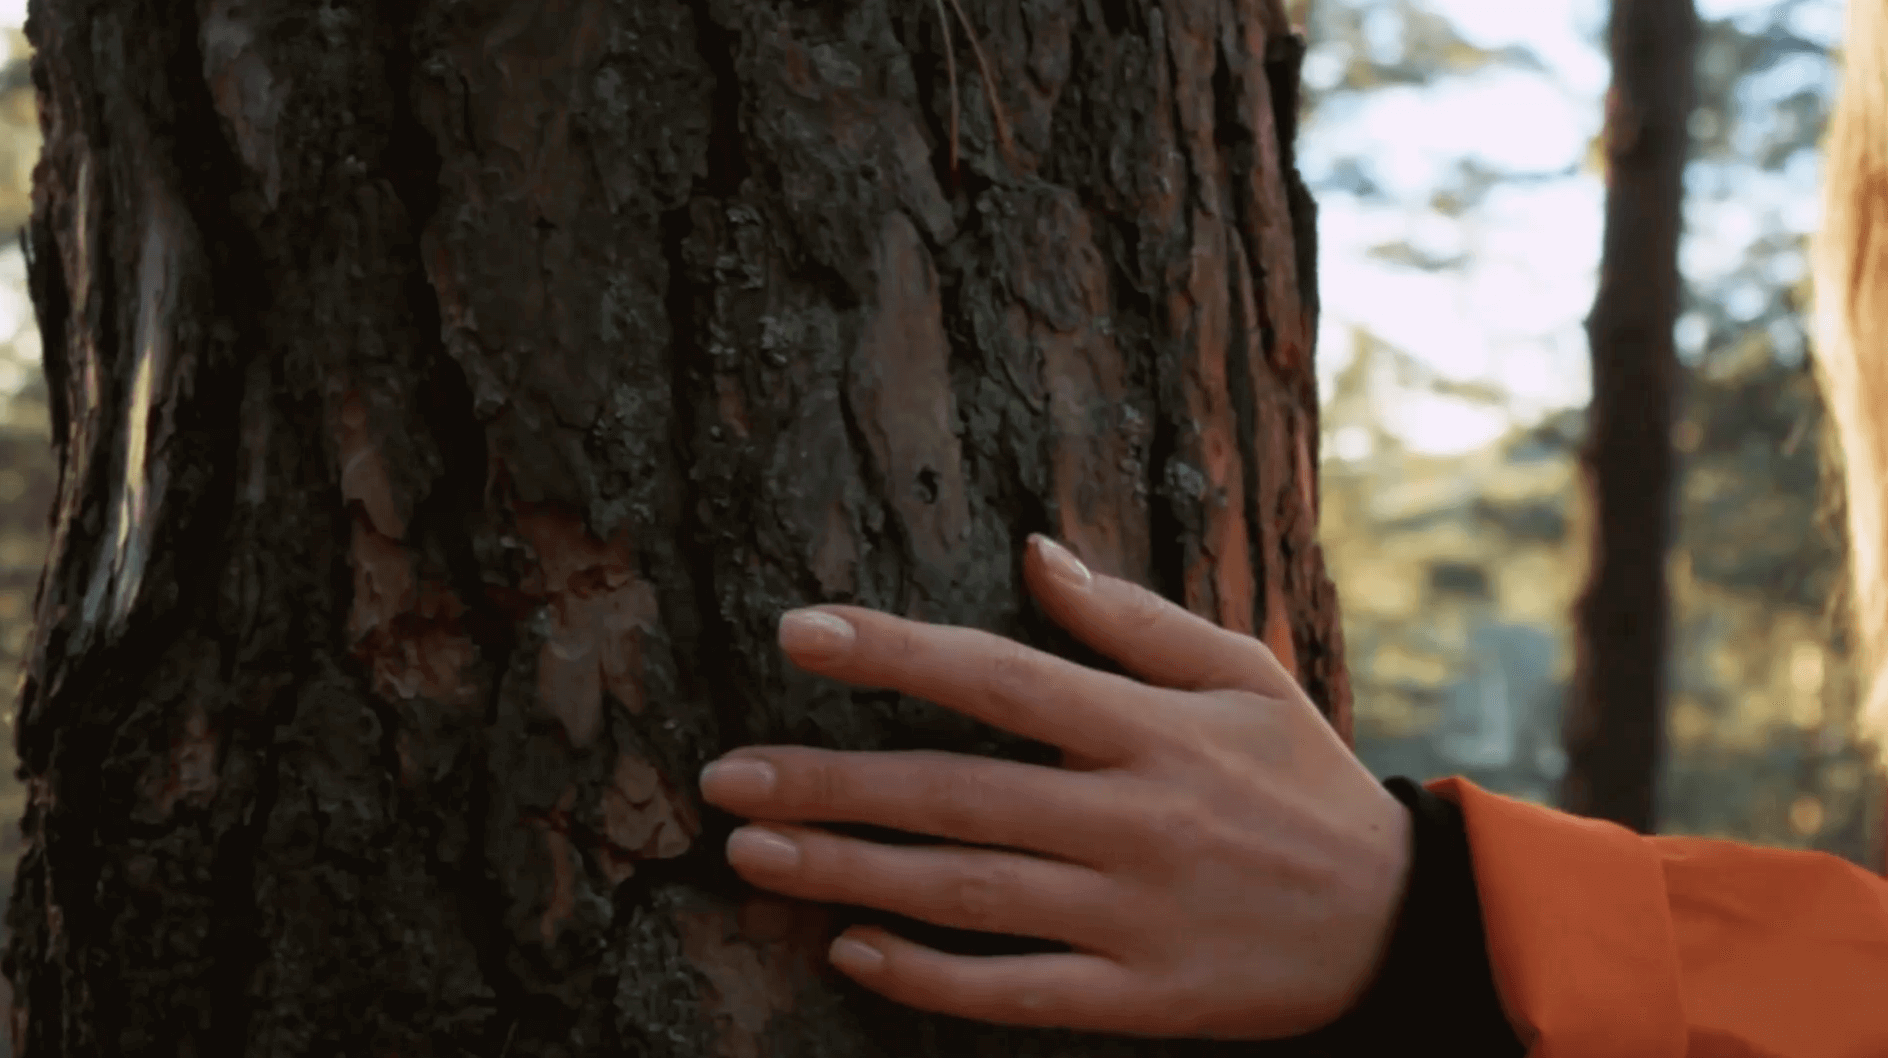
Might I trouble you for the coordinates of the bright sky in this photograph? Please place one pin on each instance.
(1511, 313)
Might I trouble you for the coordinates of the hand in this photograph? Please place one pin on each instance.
(1220, 863)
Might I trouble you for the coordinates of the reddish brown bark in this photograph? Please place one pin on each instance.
(451, 396)
(1615, 724)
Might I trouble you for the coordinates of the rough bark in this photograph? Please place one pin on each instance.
(1615, 724)
(451, 394)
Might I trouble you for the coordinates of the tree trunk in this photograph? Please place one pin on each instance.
(1616, 713)
(450, 396)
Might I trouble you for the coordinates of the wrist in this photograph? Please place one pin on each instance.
(1434, 975)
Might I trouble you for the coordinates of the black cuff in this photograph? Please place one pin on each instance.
(1435, 990)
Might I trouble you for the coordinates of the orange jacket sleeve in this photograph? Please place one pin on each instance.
(1607, 943)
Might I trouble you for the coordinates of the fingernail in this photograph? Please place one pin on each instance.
(739, 779)
(764, 849)
(856, 954)
(1066, 567)
(815, 632)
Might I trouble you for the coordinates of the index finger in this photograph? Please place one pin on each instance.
(1097, 715)
(1152, 637)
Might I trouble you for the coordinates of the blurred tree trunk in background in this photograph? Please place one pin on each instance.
(1616, 715)
(450, 397)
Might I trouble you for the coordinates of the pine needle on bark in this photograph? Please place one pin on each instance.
(1004, 143)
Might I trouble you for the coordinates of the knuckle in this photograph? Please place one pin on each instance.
(817, 785)
(1263, 650)
(1247, 705)
(1265, 730)
(1031, 1002)
(954, 800)
(902, 641)
(830, 868)
(975, 897)
(1179, 734)
(1180, 826)
(1011, 672)
(1254, 718)
(1142, 609)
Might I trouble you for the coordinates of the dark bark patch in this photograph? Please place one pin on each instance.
(188, 773)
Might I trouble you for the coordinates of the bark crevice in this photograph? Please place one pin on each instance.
(443, 517)
(1232, 135)
(728, 167)
(709, 676)
(1284, 65)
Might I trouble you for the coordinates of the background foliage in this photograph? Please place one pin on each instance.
(1451, 145)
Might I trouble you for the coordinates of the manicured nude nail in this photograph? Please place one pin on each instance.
(856, 954)
(738, 779)
(764, 849)
(815, 632)
(1066, 567)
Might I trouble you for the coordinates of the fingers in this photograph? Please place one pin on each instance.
(1157, 640)
(962, 888)
(973, 799)
(1044, 991)
(1097, 715)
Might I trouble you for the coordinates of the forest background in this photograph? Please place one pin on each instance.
(1452, 146)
